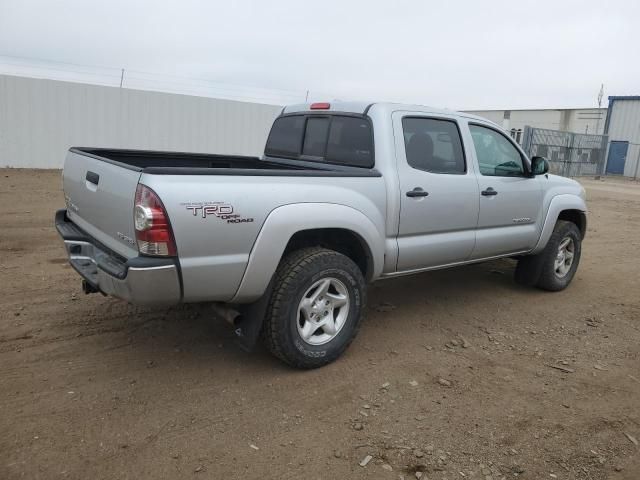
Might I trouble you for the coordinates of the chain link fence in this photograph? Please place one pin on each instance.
(569, 154)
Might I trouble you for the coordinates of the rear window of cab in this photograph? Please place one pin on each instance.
(335, 139)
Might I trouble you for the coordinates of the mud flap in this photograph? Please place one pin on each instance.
(529, 269)
(249, 325)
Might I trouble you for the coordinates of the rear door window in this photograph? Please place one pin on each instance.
(336, 139)
(433, 145)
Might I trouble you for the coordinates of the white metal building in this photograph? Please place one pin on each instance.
(40, 119)
(623, 127)
(577, 120)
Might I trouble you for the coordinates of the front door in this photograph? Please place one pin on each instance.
(617, 157)
(510, 200)
(438, 191)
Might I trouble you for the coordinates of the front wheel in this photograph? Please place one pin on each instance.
(554, 267)
(315, 307)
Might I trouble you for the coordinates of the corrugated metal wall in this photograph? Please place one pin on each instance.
(624, 125)
(41, 119)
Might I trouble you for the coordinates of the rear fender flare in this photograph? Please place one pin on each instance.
(283, 222)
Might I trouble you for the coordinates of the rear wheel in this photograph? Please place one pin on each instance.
(315, 307)
(554, 267)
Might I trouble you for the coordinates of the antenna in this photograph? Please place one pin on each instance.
(600, 95)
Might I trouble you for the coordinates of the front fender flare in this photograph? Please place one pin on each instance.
(557, 205)
(283, 222)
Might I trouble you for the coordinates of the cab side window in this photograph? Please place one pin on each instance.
(433, 145)
(497, 157)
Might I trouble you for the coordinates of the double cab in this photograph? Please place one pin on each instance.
(345, 194)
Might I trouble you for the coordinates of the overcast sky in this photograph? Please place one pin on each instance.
(464, 54)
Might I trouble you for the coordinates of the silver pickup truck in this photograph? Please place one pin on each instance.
(345, 194)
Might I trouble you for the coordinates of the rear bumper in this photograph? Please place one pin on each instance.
(138, 280)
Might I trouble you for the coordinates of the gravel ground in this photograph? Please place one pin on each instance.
(455, 374)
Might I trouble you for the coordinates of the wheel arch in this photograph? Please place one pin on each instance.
(575, 216)
(567, 207)
(341, 240)
(333, 226)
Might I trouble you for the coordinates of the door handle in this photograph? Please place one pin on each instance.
(417, 192)
(489, 192)
(92, 177)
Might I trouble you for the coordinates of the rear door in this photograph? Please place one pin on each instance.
(510, 200)
(438, 190)
(100, 196)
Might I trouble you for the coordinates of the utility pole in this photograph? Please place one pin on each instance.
(121, 77)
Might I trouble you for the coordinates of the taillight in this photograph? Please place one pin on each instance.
(320, 106)
(153, 230)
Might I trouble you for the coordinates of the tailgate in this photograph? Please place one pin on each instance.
(100, 195)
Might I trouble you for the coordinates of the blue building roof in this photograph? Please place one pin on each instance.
(624, 97)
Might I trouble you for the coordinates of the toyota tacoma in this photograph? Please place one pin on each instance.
(345, 194)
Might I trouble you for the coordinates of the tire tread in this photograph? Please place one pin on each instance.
(285, 283)
(535, 270)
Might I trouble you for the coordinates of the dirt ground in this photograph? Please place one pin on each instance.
(453, 372)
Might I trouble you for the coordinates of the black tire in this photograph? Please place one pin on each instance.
(539, 270)
(296, 274)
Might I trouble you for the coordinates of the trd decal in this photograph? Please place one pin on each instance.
(208, 209)
(221, 210)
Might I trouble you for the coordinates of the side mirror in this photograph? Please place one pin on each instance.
(539, 166)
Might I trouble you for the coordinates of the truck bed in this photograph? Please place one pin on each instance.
(101, 185)
(181, 163)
